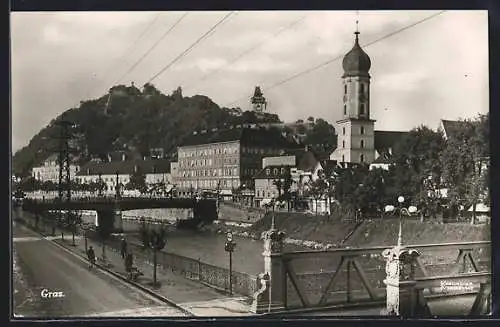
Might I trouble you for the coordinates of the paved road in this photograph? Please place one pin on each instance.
(40, 264)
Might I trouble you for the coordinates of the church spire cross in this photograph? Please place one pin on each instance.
(357, 25)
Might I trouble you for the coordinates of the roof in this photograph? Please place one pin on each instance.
(256, 136)
(125, 167)
(452, 126)
(356, 62)
(387, 139)
(275, 171)
(384, 158)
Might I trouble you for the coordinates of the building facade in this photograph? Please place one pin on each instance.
(118, 173)
(222, 160)
(49, 170)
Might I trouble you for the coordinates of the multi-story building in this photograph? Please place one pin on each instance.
(222, 160)
(49, 170)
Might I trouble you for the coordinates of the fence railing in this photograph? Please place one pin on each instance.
(339, 276)
(194, 269)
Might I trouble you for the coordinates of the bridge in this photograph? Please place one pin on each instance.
(400, 281)
(204, 210)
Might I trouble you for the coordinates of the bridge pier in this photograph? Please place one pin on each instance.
(272, 294)
(402, 296)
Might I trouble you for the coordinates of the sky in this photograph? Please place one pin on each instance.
(420, 73)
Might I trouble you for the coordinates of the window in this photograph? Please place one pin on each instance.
(345, 109)
(361, 158)
(343, 144)
(343, 158)
(362, 144)
(362, 109)
(343, 130)
(345, 88)
(362, 130)
(362, 88)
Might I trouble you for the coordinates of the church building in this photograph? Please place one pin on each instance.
(357, 140)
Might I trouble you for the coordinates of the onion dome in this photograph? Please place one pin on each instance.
(356, 62)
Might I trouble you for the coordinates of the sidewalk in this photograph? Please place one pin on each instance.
(190, 295)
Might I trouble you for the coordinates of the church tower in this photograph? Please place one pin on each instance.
(355, 130)
(258, 101)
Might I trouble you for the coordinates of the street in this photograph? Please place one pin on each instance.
(50, 282)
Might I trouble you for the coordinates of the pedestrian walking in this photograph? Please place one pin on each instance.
(124, 248)
(91, 257)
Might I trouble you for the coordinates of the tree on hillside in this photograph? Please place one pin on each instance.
(465, 160)
(321, 137)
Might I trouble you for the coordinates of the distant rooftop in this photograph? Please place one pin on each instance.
(125, 167)
(248, 136)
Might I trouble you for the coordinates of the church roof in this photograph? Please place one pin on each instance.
(385, 140)
(356, 62)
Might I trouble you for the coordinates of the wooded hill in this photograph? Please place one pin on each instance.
(138, 120)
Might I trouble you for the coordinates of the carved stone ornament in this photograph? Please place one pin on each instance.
(260, 297)
(273, 241)
(399, 262)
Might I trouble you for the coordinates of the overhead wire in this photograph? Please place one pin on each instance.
(246, 52)
(299, 74)
(185, 52)
(132, 48)
(177, 22)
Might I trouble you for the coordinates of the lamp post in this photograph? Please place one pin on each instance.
(402, 210)
(401, 298)
(229, 247)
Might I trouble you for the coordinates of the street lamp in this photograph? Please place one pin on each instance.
(229, 247)
(402, 210)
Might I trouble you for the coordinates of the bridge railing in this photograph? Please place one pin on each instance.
(342, 276)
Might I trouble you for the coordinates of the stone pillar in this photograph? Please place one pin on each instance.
(400, 282)
(272, 292)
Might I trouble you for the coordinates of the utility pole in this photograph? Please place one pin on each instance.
(64, 185)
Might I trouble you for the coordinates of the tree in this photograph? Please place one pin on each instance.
(104, 228)
(465, 161)
(317, 190)
(155, 240)
(74, 219)
(416, 156)
(284, 185)
(321, 137)
(137, 181)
